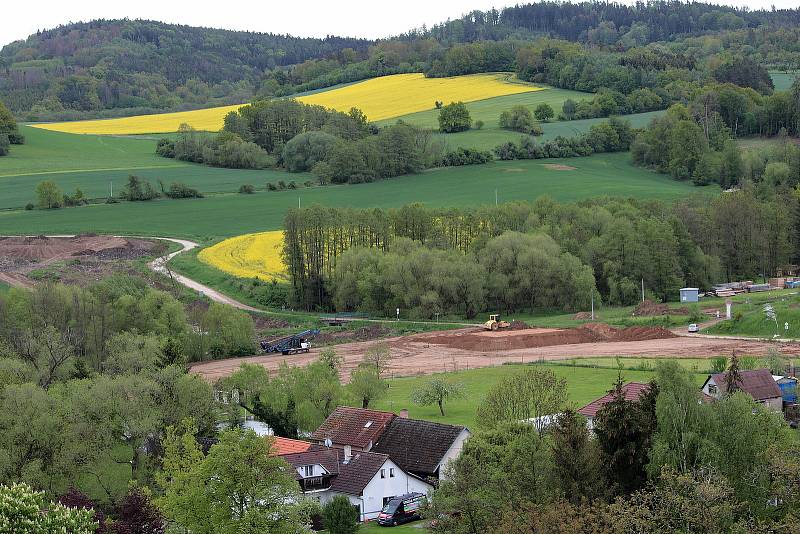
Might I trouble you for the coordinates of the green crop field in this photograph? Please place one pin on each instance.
(233, 214)
(489, 110)
(94, 162)
(584, 384)
(783, 80)
(489, 137)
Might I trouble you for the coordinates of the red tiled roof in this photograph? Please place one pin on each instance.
(283, 446)
(353, 426)
(759, 384)
(631, 390)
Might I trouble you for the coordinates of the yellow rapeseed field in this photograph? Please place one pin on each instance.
(392, 96)
(379, 98)
(248, 256)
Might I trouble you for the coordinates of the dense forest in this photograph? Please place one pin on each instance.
(118, 67)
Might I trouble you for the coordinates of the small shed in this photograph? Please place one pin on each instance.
(788, 385)
(690, 294)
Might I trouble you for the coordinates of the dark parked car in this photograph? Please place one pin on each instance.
(401, 509)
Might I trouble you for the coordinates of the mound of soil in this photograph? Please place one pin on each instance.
(503, 340)
(518, 325)
(365, 333)
(583, 316)
(263, 322)
(48, 249)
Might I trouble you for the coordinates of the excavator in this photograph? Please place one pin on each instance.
(494, 323)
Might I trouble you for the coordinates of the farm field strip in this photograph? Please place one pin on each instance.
(379, 98)
(248, 256)
(233, 214)
(401, 94)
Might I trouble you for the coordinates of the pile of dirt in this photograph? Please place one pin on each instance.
(503, 340)
(48, 249)
(365, 333)
(518, 325)
(643, 333)
(264, 322)
(583, 316)
(648, 308)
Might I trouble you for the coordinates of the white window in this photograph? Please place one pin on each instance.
(712, 389)
(391, 472)
(368, 424)
(383, 473)
(308, 470)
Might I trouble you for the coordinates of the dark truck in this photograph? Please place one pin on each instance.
(401, 509)
(300, 342)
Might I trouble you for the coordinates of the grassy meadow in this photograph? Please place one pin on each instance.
(231, 214)
(584, 384)
(783, 80)
(488, 110)
(491, 135)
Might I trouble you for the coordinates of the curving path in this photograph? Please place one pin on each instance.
(159, 265)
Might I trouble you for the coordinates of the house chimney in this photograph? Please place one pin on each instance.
(348, 452)
(404, 413)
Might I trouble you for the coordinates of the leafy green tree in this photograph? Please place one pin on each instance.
(138, 189)
(519, 119)
(305, 150)
(49, 195)
(4, 144)
(378, 356)
(8, 126)
(576, 459)
(532, 395)
(25, 511)
(339, 516)
(543, 112)
(366, 385)
(680, 441)
(238, 487)
(436, 391)
(454, 117)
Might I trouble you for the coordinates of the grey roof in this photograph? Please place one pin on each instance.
(759, 384)
(417, 446)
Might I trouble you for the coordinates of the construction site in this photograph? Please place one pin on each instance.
(79, 259)
(467, 348)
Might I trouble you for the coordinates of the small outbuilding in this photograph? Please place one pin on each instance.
(758, 383)
(690, 294)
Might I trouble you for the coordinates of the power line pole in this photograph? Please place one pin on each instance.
(592, 292)
(642, 289)
(495, 197)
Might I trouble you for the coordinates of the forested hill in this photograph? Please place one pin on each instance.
(135, 63)
(124, 67)
(604, 22)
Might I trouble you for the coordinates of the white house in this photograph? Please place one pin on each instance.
(423, 448)
(368, 479)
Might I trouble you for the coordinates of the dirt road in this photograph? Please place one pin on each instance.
(159, 265)
(416, 354)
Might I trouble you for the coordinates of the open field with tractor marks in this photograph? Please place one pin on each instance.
(233, 214)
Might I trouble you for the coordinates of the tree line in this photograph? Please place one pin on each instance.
(527, 256)
(697, 140)
(665, 462)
